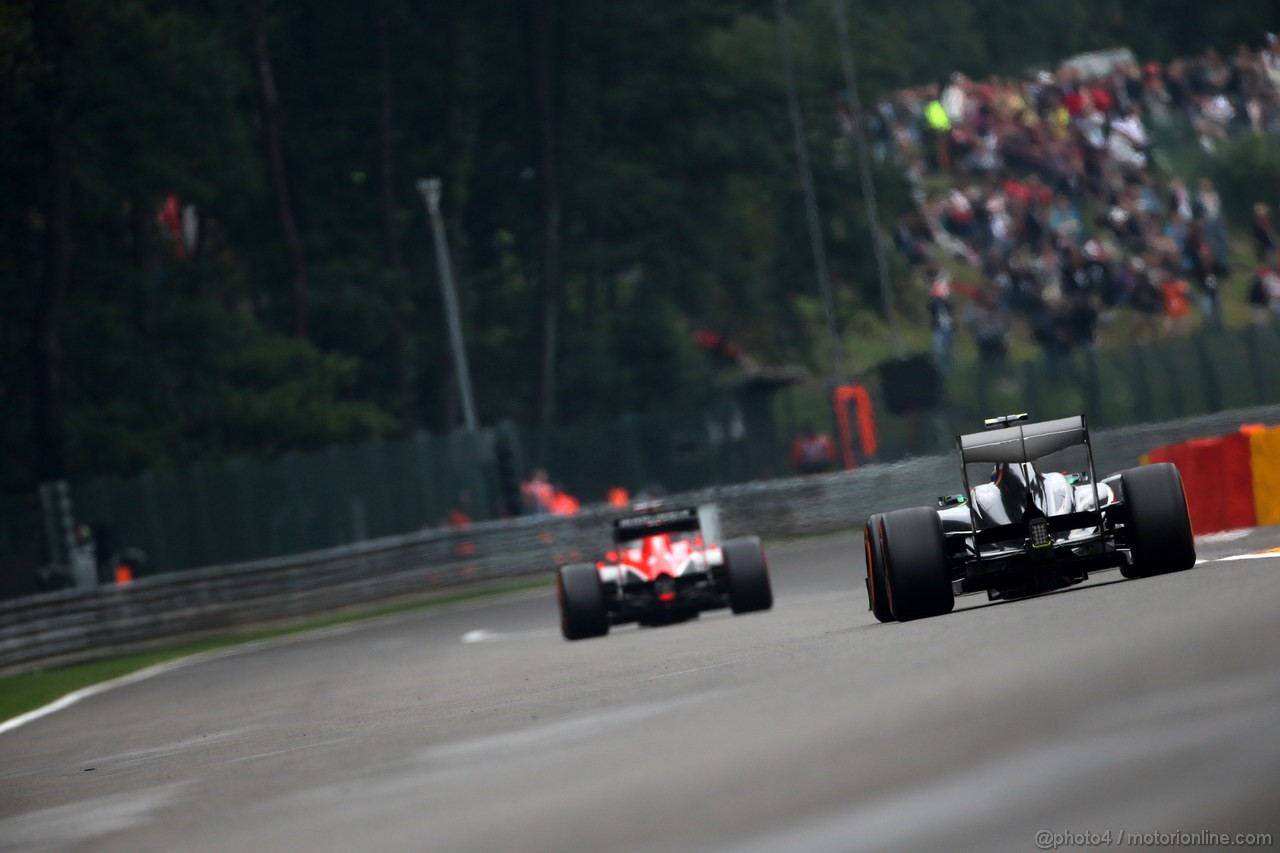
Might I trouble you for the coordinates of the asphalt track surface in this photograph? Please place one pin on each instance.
(1122, 706)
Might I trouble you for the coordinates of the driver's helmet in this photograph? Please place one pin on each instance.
(1017, 481)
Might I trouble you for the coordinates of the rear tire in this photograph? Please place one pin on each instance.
(877, 583)
(581, 598)
(747, 575)
(915, 559)
(1159, 526)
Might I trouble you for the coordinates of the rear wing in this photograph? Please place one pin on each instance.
(1023, 442)
(678, 520)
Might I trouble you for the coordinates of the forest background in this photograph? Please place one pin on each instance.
(211, 244)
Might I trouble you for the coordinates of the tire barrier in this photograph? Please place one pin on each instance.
(1264, 448)
(1232, 481)
(81, 624)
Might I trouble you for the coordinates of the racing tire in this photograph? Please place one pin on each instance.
(877, 583)
(915, 561)
(1159, 526)
(747, 575)
(581, 598)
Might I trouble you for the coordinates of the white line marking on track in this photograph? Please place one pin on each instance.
(1261, 555)
(1226, 535)
(160, 669)
(161, 751)
(93, 690)
(484, 635)
(695, 669)
(288, 750)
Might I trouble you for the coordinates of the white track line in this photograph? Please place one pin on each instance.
(158, 669)
(484, 635)
(1261, 555)
(1226, 535)
(695, 669)
(94, 689)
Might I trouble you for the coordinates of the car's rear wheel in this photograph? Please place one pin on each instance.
(877, 584)
(747, 575)
(1159, 526)
(915, 560)
(581, 597)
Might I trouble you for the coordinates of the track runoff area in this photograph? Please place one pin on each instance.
(1130, 712)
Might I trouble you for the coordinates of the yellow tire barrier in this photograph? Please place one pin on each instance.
(1264, 451)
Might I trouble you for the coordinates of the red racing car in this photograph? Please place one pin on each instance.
(665, 568)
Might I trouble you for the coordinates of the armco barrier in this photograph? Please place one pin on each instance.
(76, 625)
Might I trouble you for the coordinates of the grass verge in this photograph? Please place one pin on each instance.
(28, 691)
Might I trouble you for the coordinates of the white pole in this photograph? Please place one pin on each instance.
(430, 190)
(810, 199)
(868, 187)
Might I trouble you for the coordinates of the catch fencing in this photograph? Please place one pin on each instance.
(73, 625)
(1153, 383)
(247, 510)
(244, 510)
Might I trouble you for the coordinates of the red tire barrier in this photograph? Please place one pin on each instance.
(1217, 474)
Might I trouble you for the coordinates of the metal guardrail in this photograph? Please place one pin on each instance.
(67, 626)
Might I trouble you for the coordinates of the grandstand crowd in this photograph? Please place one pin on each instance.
(1050, 188)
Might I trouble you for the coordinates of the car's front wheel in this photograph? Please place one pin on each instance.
(1159, 526)
(877, 584)
(915, 560)
(581, 597)
(747, 575)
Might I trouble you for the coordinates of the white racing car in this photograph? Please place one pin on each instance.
(1027, 530)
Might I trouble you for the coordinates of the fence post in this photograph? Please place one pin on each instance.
(1212, 391)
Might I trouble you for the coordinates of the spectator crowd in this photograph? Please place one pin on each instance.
(1051, 190)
